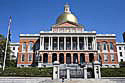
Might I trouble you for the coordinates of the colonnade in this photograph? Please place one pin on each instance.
(67, 43)
(68, 58)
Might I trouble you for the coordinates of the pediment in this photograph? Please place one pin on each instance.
(67, 24)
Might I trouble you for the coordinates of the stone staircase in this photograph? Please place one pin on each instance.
(83, 81)
(64, 66)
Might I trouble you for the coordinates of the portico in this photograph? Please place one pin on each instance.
(71, 47)
(67, 42)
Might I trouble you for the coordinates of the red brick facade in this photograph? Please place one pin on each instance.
(26, 61)
(108, 46)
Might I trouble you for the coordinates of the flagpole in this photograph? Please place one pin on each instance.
(4, 63)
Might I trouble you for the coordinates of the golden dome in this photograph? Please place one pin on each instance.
(66, 16)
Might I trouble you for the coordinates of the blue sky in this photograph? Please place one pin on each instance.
(31, 16)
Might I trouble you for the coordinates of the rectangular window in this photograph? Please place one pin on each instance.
(30, 57)
(104, 46)
(98, 46)
(121, 54)
(74, 43)
(37, 46)
(61, 44)
(30, 46)
(23, 57)
(105, 57)
(112, 57)
(111, 46)
(119, 48)
(24, 46)
(99, 58)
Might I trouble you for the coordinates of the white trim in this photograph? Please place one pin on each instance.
(29, 34)
(101, 35)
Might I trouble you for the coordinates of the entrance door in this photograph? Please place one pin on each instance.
(90, 73)
(77, 73)
(63, 73)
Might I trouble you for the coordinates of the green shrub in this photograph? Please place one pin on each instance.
(31, 72)
(113, 72)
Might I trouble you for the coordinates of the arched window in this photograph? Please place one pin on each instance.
(68, 58)
(75, 58)
(45, 58)
(61, 58)
(91, 57)
(82, 58)
(54, 57)
(111, 46)
(30, 46)
(24, 46)
(30, 57)
(23, 57)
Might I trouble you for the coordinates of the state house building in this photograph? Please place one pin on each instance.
(68, 43)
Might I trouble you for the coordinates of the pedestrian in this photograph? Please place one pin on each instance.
(62, 79)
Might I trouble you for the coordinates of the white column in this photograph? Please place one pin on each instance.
(78, 43)
(56, 72)
(85, 72)
(64, 43)
(84, 44)
(92, 43)
(58, 43)
(68, 73)
(43, 43)
(51, 43)
(40, 43)
(71, 42)
(95, 43)
(99, 71)
(87, 42)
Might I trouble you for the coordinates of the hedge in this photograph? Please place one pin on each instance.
(47, 72)
(113, 72)
(27, 72)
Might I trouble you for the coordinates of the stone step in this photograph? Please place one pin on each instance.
(81, 81)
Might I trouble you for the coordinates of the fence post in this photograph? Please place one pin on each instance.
(56, 70)
(68, 73)
(85, 72)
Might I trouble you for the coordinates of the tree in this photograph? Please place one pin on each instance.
(2, 50)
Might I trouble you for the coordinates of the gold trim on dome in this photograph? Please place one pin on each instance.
(66, 17)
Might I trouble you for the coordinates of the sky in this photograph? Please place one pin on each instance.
(32, 16)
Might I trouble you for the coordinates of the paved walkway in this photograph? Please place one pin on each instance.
(49, 80)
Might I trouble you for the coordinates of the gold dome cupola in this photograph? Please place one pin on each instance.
(66, 16)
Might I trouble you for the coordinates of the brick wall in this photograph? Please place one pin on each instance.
(108, 51)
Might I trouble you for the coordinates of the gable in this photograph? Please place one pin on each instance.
(66, 24)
